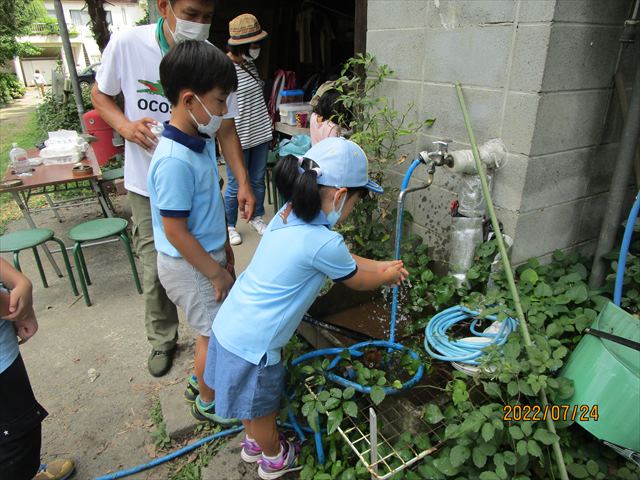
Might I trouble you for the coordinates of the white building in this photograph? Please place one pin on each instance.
(121, 15)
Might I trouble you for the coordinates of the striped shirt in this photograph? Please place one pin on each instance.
(252, 122)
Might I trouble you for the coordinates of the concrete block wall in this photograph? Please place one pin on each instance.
(536, 74)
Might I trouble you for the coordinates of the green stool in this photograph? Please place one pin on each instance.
(97, 230)
(272, 190)
(23, 239)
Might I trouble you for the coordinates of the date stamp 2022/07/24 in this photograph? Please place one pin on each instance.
(534, 413)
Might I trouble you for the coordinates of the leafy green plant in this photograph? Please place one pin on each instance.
(382, 132)
(161, 438)
(60, 112)
(46, 26)
(631, 282)
(10, 88)
(479, 441)
(379, 129)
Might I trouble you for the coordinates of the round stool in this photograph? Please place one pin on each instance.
(23, 239)
(97, 230)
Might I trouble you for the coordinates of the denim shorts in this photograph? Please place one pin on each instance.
(243, 390)
(190, 290)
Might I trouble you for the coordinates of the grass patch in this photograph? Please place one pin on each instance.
(160, 436)
(26, 134)
(16, 130)
(190, 467)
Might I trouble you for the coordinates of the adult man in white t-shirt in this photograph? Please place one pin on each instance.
(130, 65)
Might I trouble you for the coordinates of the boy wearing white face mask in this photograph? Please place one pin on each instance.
(195, 261)
(130, 64)
(253, 122)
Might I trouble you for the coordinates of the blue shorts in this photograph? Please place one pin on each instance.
(243, 390)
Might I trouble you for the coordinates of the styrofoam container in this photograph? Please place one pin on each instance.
(288, 112)
(60, 154)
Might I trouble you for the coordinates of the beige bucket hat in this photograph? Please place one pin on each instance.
(245, 29)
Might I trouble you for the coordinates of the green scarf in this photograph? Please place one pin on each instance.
(162, 41)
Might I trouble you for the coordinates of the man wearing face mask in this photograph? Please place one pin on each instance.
(253, 122)
(130, 65)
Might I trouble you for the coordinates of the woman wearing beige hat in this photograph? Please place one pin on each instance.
(252, 122)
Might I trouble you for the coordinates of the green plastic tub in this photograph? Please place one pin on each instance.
(607, 374)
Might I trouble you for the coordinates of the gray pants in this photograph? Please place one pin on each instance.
(161, 316)
(191, 290)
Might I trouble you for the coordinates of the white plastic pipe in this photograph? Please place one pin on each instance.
(493, 154)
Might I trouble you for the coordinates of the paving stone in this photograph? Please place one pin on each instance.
(176, 411)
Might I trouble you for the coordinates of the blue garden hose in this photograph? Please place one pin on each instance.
(159, 461)
(438, 344)
(394, 301)
(354, 350)
(171, 456)
(624, 250)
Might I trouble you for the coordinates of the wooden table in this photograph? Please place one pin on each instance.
(46, 179)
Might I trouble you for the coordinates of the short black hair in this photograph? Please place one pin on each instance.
(330, 107)
(197, 66)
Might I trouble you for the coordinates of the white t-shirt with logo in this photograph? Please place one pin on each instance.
(131, 65)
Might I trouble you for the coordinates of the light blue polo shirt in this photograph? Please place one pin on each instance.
(286, 273)
(183, 182)
(8, 344)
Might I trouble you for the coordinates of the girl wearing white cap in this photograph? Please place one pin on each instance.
(298, 252)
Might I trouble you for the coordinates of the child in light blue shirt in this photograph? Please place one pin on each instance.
(195, 260)
(297, 253)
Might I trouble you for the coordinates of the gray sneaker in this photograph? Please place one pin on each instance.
(160, 362)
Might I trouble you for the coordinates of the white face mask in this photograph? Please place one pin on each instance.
(334, 215)
(210, 128)
(254, 53)
(186, 30)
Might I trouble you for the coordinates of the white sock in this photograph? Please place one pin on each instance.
(277, 457)
(248, 438)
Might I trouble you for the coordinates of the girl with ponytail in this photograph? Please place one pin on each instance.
(297, 253)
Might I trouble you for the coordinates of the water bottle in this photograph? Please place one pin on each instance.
(19, 160)
(156, 129)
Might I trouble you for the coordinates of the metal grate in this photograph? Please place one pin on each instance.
(374, 440)
(376, 448)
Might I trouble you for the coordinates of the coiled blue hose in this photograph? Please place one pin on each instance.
(438, 344)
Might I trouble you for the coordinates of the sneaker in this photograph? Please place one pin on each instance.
(258, 225)
(160, 362)
(60, 469)
(251, 451)
(208, 413)
(192, 390)
(234, 236)
(288, 462)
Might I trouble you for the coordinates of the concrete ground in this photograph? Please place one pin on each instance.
(88, 364)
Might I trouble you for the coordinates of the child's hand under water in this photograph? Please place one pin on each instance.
(394, 271)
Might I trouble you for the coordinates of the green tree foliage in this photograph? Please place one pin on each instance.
(16, 18)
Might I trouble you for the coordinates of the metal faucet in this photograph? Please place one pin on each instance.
(440, 156)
